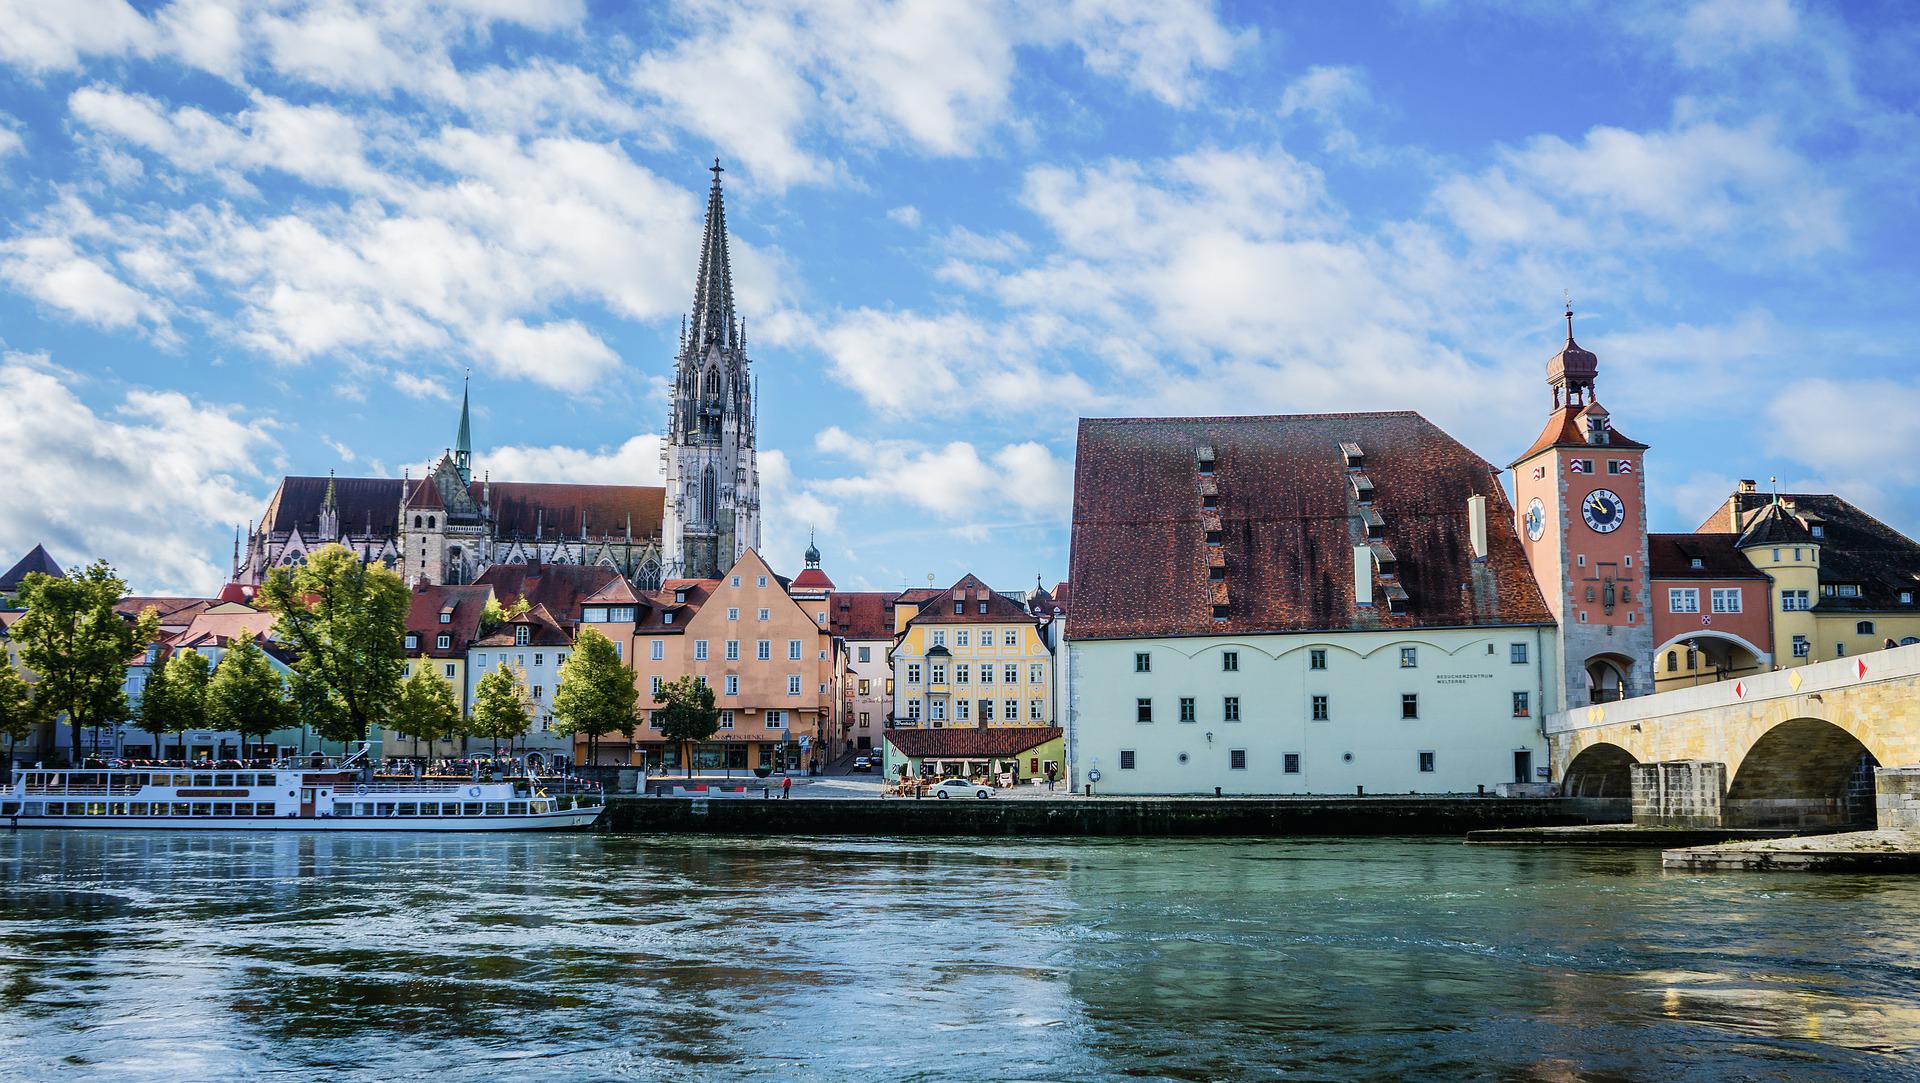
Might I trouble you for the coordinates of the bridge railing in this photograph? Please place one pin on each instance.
(1873, 667)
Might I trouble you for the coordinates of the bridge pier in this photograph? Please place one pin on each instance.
(1897, 798)
(1680, 793)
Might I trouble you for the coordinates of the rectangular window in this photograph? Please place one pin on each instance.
(1726, 599)
(1126, 759)
(1187, 713)
(936, 673)
(913, 709)
(656, 650)
(726, 720)
(1517, 654)
(776, 720)
(1795, 601)
(1230, 709)
(763, 650)
(1143, 710)
(1290, 763)
(1426, 761)
(963, 709)
(699, 650)
(1036, 710)
(939, 637)
(793, 650)
(443, 641)
(764, 615)
(793, 684)
(1037, 673)
(413, 643)
(1317, 658)
(733, 613)
(1237, 759)
(1683, 600)
(1409, 705)
(654, 721)
(653, 684)
(866, 654)
(539, 659)
(733, 684)
(1320, 709)
(760, 581)
(913, 673)
(937, 709)
(1142, 662)
(1522, 704)
(986, 711)
(1010, 673)
(962, 673)
(986, 673)
(1012, 710)
(1229, 661)
(960, 639)
(451, 670)
(1011, 639)
(734, 582)
(536, 692)
(1409, 657)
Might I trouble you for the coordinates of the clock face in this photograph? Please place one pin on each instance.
(1603, 511)
(1536, 519)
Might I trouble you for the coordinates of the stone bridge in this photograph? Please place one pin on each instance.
(1791, 748)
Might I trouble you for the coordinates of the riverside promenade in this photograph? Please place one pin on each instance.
(1099, 816)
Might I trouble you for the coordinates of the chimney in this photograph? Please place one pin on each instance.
(1363, 575)
(1477, 525)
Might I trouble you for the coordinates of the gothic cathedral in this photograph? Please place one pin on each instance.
(712, 513)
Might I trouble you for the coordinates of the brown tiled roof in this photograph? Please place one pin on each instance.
(617, 592)
(423, 616)
(545, 631)
(426, 497)
(218, 628)
(557, 511)
(978, 741)
(1060, 595)
(1671, 556)
(1565, 430)
(1288, 524)
(662, 601)
(363, 502)
(969, 592)
(36, 560)
(814, 579)
(1855, 547)
(854, 614)
(559, 587)
(173, 610)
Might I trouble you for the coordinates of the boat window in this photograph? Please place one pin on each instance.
(180, 809)
(407, 808)
(32, 808)
(470, 808)
(496, 808)
(538, 806)
(139, 808)
(223, 808)
(203, 808)
(223, 780)
(56, 808)
(517, 808)
(265, 808)
(384, 808)
(117, 808)
(203, 780)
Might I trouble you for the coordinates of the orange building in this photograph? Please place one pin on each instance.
(768, 655)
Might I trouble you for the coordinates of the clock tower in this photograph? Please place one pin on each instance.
(1580, 495)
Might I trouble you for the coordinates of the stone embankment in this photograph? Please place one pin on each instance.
(1102, 816)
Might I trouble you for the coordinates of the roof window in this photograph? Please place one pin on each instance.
(1203, 456)
(1696, 562)
(1351, 453)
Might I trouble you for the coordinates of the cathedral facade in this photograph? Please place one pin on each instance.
(449, 527)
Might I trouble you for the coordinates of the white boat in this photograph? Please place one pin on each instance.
(338, 797)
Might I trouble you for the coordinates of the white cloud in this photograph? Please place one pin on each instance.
(907, 215)
(906, 362)
(43, 37)
(954, 480)
(145, 485)
(564, 354)
(1715, 29)
(636, 462)
(52, 270)
(1323, 91)
(1807, 426)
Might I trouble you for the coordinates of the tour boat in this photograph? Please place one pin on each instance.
(339, 797)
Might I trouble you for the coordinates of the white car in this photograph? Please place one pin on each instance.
(951, 787)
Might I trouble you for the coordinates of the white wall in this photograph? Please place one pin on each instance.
(1465, 707)
(541, 670)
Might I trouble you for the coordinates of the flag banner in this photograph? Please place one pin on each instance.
(1620, 466)
(1580, 466)
(1539, 472)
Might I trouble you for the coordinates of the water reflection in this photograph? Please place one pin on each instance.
(376, 956)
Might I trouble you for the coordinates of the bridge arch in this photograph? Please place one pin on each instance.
(1600, 770)
(1803, 772)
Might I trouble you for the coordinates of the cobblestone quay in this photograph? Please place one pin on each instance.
(1102, 816)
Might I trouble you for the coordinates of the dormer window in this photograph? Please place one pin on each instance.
(1696, 563)
(1597, 430)
(666, 618)
(1818, 530)
(413, 643)
(1217, 573)
(522, 635)
(1203, 457)
(680, 597)
(443, 641)
(446, 617)
(959, 609)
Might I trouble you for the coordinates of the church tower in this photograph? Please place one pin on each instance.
(712, 513)
(1581, 498)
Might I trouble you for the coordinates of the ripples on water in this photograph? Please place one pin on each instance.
(375, 957)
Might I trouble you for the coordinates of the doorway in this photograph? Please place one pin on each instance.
(1523, 765)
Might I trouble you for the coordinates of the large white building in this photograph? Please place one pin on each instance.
(1300, 604)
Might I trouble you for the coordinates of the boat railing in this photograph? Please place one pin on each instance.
(81, 791)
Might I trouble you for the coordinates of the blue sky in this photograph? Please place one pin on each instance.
(238, 241)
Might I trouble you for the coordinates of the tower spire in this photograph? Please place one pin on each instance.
(463, 444)
(713, 291)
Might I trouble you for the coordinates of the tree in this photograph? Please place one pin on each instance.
(175, 699)
(344, 620)
(247, 694)
(688, 716)
(78, 646)
(501, 707)
(427, 706)
(18, 712)
(596, 694)
(492, 615)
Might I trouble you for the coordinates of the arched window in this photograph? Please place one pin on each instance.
(1864, 628)
(713, 383)
(1693, 658)
(649, 576)
(709, 498)
(416, 522)
(429, 522)
(1909, 641)
(1673, 661)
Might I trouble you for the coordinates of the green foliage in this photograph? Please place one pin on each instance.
(596, 694)
(247, 694)
(18, 712)
(493, 616)
(344, 620)
(502, 709)
(427, 706)
(78, 647)
(687, 714)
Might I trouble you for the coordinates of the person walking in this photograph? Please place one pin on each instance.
(786, 788)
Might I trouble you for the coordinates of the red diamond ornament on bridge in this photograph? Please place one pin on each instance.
(1740, 690)
(1860, 667)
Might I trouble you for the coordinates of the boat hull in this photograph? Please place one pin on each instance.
(570, 820)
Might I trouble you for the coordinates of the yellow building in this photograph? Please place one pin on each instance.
(970, 657)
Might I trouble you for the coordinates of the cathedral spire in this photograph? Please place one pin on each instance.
(713, 290)
(463, 444)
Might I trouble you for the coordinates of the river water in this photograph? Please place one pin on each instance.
(378, 957)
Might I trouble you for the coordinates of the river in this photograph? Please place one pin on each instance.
(378, 957)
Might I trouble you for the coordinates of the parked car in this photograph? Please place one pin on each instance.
(863, 763)
(952, 787)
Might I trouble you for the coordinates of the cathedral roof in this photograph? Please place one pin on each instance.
(559, 511)
(1285, 528)
(36, 560)
(365, 504)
